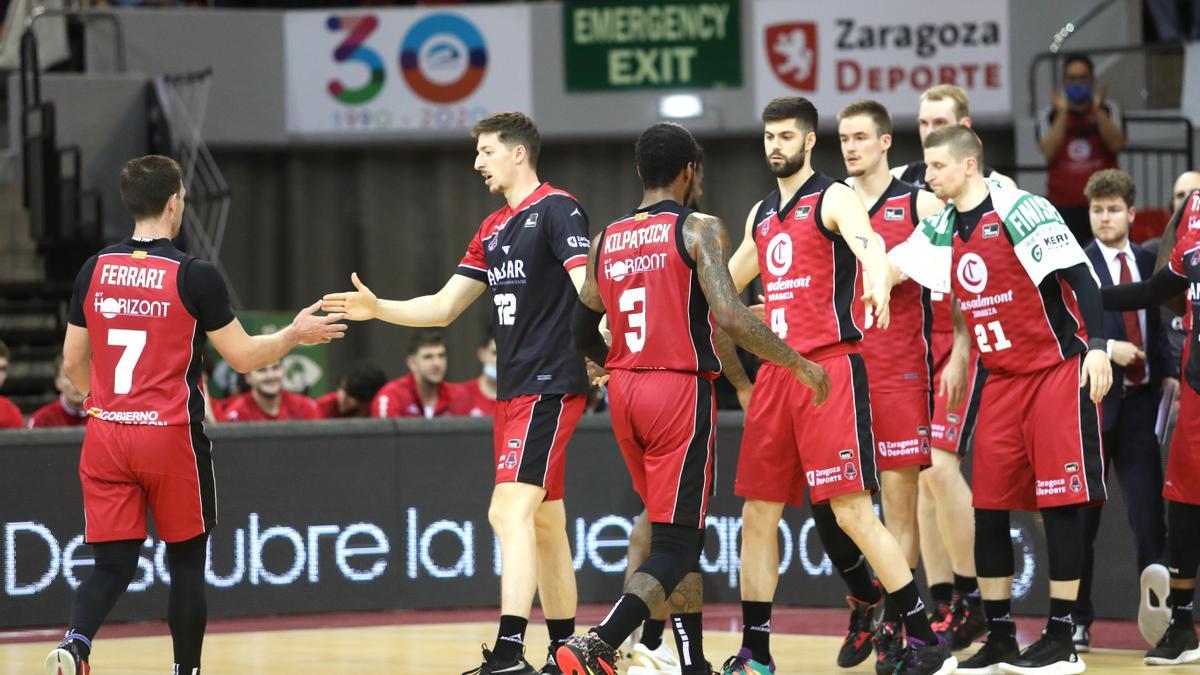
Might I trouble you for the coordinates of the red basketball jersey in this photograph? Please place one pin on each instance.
(810, 276)
(145, 362)
(657, 313)
(1017, 328)
(901, 357)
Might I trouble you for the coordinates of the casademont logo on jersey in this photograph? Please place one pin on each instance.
(110, 307)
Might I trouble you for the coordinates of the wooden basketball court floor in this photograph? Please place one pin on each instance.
(239, 647)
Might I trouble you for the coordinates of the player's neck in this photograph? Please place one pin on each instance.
(488, 386)
(973, 194)
(269, 404)
(789, 185)
(522, 187)
(871, 185)
(656, 195)
(152, 229)
(428, 392)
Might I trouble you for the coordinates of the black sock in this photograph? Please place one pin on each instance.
(560, 631)
(82, 643)
(966, 586)
(510, 639)
(756, 629)
(912, 610)
(629, 613)
(1059, 623)
(858, 580)
(890, 611)
(942, 592)
(689, 639)
(845, 555)
(187, 608)
(1182, 601)
(999, 617)
(652, 632)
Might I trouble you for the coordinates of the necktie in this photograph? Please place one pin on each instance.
(1135, 372)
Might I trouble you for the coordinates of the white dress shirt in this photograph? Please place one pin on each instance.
(1112, 258)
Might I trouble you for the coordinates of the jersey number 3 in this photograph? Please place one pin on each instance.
(134, 341)
(634, 299)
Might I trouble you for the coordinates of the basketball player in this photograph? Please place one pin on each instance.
(136, 329)
(899, 361)
(941, 106)
(806, 239)
(661, 274)
(532, 253)
(1181, 488)
(1031, 302)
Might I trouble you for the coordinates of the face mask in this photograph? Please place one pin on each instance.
(1078, 93)
(489, 371)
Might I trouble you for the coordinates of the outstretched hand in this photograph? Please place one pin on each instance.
(357, 305)
(316, 330)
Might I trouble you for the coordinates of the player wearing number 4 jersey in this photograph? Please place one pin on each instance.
(136, 329)
(806, 239)
(661, 275)
(532, 254)
(1031, 302)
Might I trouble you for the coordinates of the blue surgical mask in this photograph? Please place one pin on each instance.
(489, 371)
(1078, 92)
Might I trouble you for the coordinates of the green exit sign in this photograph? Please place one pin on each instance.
(652, 45)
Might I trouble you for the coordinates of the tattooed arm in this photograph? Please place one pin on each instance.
(707, 241)
(731, 367)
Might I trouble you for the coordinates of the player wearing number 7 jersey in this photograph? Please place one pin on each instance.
(136, 329)
(1032, 304)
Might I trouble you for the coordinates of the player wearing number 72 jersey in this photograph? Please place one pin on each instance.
(136, 328)
(1031, 302)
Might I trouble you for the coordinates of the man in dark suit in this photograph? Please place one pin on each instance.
(1141, 363)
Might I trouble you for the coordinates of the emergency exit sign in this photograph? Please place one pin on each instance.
(652, 45)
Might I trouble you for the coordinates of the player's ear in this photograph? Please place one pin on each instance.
(885, 141)
(519, 153)
(966, 122)
(1132, 214)
(810, 141)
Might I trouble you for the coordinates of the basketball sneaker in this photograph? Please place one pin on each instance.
(996, 650)
(65, 660)
(889, 647)
(587, 655)
(919, 658)
(1177, 646)
(967, 622)
(493, 666)
(1153, 613)
(939, 619)
(856, 646)
(1047, 656)
(660, 661)
(743, 663)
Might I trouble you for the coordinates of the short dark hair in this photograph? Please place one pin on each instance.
(362, 380)
(962, 141)
(873, 109)
(425, 338)
(147, 183)
(513, 129)
(1080, 58)
(663, 151)
(1111, 183)
(4, 353)
(792, 108)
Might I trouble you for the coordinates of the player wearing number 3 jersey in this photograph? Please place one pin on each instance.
(138, 319)
(1032, 304)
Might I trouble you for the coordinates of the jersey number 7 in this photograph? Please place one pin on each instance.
(134, 341)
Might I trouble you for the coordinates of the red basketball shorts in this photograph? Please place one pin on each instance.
(125, 468)
(1037, 444)
(530, 435)
(788, 443)
(900, 422)
(1182, 482)
(954, 430)
(666, 422)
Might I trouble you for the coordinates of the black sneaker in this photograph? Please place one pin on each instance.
(939, 619)
(1047, 656)
(922, 659)
(856, 646)
(1082, 637)
(587, 655)
(1177, 646)
(967, 624)
(998, 649)
(491, 665)
(551, 667)
(65, 660)
(889, 647)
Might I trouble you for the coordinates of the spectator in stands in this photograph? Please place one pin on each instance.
(267, 400)
(424, 392)
(66, 411)
(10, 414)
(479, 394)
(1080, 134)
(355, 391)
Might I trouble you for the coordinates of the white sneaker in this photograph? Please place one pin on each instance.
(1153, 613)
(661, 661)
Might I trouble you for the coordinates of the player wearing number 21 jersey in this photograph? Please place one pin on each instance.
(1031, 303)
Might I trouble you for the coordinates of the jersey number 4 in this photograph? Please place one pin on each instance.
(981, 336)
(134, 341)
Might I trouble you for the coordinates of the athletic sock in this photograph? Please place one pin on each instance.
(999, 617)
(510, 639)
(858, 581)
(756, 629)
(560, 631)
(652, 632)
(689, 640)
(1182, 601)
(82, 643)
(916, 624)
(1059, 624)
(942, 592)
(966, 586)
(891, 612)
(629, 613)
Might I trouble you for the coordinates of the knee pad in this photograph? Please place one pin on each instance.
(993, 544)
(118, 558)
(674, 552)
